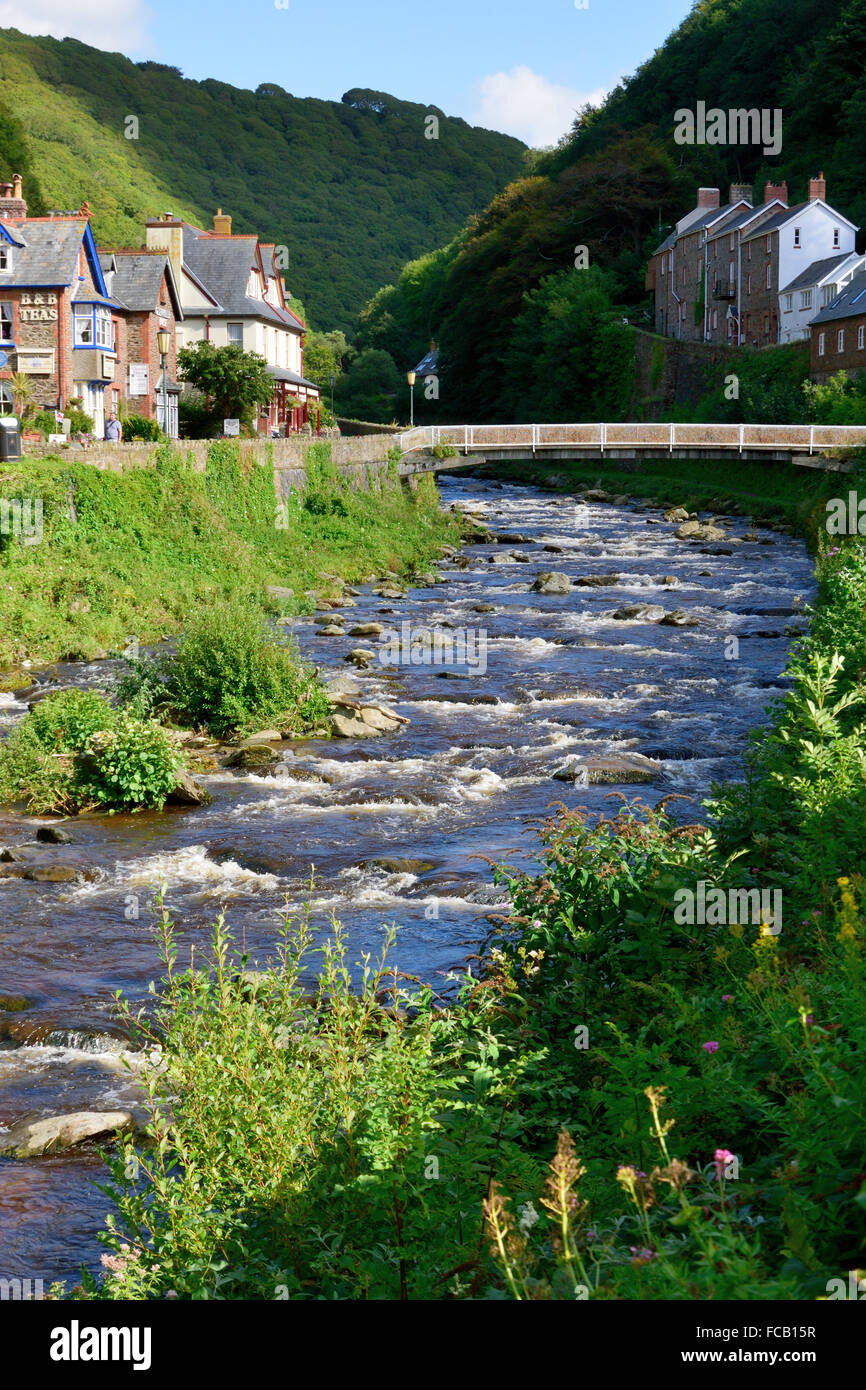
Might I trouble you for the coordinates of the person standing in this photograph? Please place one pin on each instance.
(113, 430)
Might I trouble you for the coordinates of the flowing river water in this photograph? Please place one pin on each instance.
(392, 824)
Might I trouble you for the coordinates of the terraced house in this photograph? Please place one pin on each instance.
(747, 275)
(232, 292)
(73, 323)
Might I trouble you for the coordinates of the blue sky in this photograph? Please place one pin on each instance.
(521, 66)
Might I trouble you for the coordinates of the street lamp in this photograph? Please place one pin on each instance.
(163, 342)
(410, 377)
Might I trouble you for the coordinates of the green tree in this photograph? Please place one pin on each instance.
(369, 390)
(234, 380)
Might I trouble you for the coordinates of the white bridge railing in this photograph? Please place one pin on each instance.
(736, 438)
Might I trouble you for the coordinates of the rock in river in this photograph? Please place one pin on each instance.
(640, 613)
(552, 582)
(33, 1138)
(53, 835)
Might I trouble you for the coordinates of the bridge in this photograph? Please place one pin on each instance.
(805, 445)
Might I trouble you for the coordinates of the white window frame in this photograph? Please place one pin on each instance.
(82, 314)
(789, 303)
(7, 398)
(821, 342)
(797, 236)
(805, 299)
(768, 278)
(5, 254)
(835, 238)
(861, 335)
(235, 341)
(103, 337)
(7, 316)
(840, 340)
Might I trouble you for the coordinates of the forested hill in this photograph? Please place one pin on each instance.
(615, 184)
(352, 188)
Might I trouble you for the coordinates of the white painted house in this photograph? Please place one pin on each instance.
(232, 292)
(813, 290)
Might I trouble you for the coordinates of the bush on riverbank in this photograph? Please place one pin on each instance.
(74, 752)
(231, 673)
(139, 552)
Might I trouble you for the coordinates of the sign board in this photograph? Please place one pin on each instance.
(139, 379)
(36, 360)
(231, 426)
(59, 416)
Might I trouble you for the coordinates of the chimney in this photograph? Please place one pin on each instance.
(708, 198)
(776, 190)
(166, 234)
(222, 223)
(740, 192)
(818, 188)
(12, 202)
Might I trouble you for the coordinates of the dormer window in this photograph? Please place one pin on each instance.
(5, 255)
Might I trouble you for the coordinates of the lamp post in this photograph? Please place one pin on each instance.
(410, 377)
(163, 342)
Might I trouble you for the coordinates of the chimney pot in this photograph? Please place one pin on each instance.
(222, 223)
(776, 190)
(708, 198)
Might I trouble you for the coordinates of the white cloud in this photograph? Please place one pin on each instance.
(113, 25)
(523, 103)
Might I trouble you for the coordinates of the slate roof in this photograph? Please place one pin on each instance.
(850, 303)
(47, 252)
(819, 270)
(666, 245)
(283, 374)
(223, 264)
(428, 363)
(137, 279)
(740, 219)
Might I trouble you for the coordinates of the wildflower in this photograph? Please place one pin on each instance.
(843, 882)
(727, 999)
(721, 1159)
(642, 1256)
(710, 1046)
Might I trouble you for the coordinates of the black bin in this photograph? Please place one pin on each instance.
(10, 438)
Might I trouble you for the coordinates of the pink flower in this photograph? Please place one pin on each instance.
(710, 1046)
(727, 998)
(721, 1159)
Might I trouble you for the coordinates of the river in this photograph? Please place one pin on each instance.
(563, 679)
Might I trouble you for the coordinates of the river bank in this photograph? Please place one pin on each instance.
(100, 560)
(567, 688)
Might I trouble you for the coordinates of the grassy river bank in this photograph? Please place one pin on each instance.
(619, 1104)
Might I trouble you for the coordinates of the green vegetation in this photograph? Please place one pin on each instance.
(623, 1104)
(76, 752)
(138, 552)
(234, 381)
(353, 187)
(231, 672)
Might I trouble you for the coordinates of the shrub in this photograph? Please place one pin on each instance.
(231, 672)
(133, 764)
(140, 427)
(74, 750)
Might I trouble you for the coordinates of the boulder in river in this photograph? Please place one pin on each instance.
(676, 514)
(552, 582)
(366, 630)
(361, 657)
(596, 581)
(678, 618)
(616, 769)
(639, 613)
(251, 756)
(332, 630)
(58, 873)
(33, 1138)
(188, 792)
(53, 835)
(351, 726)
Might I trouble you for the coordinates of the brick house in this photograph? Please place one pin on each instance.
(838, 333)
(718, 276)
(143, 283)
(812, 290)
(58, 325)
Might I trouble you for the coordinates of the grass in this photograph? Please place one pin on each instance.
(149, 547)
